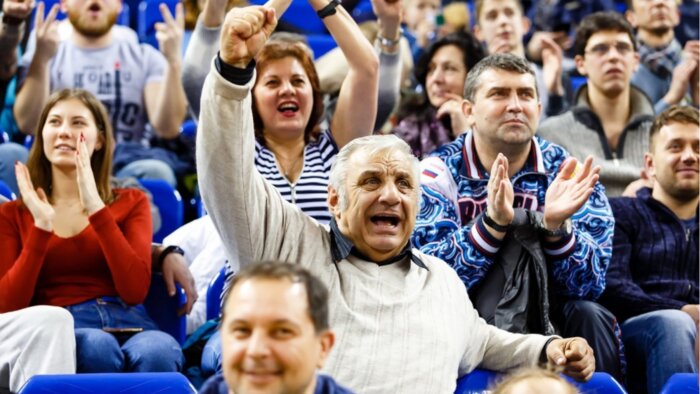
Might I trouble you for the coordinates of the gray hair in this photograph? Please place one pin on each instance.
(371, 145)
(500, 61)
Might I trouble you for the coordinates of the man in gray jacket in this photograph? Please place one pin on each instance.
(402, 318)
(611, 118)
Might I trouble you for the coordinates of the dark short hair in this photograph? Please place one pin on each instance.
(601, 21)
(500, 61)
(316, 292)
(472, 53)
(479, 5)
(675, 114)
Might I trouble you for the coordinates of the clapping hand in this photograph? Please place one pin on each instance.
(569, 191)
(89, 196)
(245, 32)
(35, 200)
(500, 193)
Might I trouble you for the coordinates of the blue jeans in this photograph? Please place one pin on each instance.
(123, 350)
(9, 153)
(658, 344)
(211, 355)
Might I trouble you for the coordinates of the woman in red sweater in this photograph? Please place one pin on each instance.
(74, 242)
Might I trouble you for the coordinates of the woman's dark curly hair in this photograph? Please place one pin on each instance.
(472, 52)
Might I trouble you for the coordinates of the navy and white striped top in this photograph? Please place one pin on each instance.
(310, 190)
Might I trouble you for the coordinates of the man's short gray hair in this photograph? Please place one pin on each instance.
(500, 61)
(371, 145)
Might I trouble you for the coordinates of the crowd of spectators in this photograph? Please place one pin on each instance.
(435, 194)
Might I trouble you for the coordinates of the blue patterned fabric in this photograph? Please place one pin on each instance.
(454, 194)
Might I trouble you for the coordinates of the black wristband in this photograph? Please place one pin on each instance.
(167, 251)
(233, 74)
(491, 223)
(543, 354)
(329, 9)
(11, 20)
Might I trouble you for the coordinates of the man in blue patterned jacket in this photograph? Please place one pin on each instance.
(467, 210)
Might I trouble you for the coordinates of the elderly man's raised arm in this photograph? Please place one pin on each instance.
(250, 215)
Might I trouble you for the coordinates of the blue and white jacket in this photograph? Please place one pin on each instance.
(454, 193)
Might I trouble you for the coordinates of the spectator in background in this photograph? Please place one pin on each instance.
(652, 281)
(667, 72)
(611, 115)
(38, 340)
(76, 243)
(291, 150)
(365, 257)
(433, 117)
(137, 83)
(14, 13)
(420, 23)
(275, 325)
(526, 227)
(501, 25)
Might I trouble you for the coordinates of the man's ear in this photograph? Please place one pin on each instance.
(631, 18)
(326, 340)
(468, 111)
(477, 33)
(578, 59)
(333, 201)
(526, 24)
(649, 164)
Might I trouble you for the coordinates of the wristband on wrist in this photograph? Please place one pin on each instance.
(387, 42)
(11, 20)
(329, 9)
(492, 223)
(166, 252)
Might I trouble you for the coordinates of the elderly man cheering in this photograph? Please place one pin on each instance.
(403, 320)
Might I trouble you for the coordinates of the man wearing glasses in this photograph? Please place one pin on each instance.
(611, 118)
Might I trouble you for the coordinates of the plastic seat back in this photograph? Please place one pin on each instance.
(6, 192)
(170, 206)
(110, 383)
(216, 287)
(686, 383)
(163, 309)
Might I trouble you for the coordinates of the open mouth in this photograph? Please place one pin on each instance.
(288, 108)
(385, 220)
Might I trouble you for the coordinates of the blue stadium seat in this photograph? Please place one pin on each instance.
(6, 192)
(4, 137)
(28, 142)
(481, 380)
(363, 12)
(320, 43)
(163, 309)
(300, 15)
(122, 19)
(148, 15)
(169, 205)
(216, 286)
(577, 82)
(110, 383)
(681, 383)
(189, 128)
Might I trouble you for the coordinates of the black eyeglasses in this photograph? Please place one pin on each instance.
(602, 49)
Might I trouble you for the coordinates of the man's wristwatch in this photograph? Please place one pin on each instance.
(167, 251)
(564, 230)
(492, 223)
